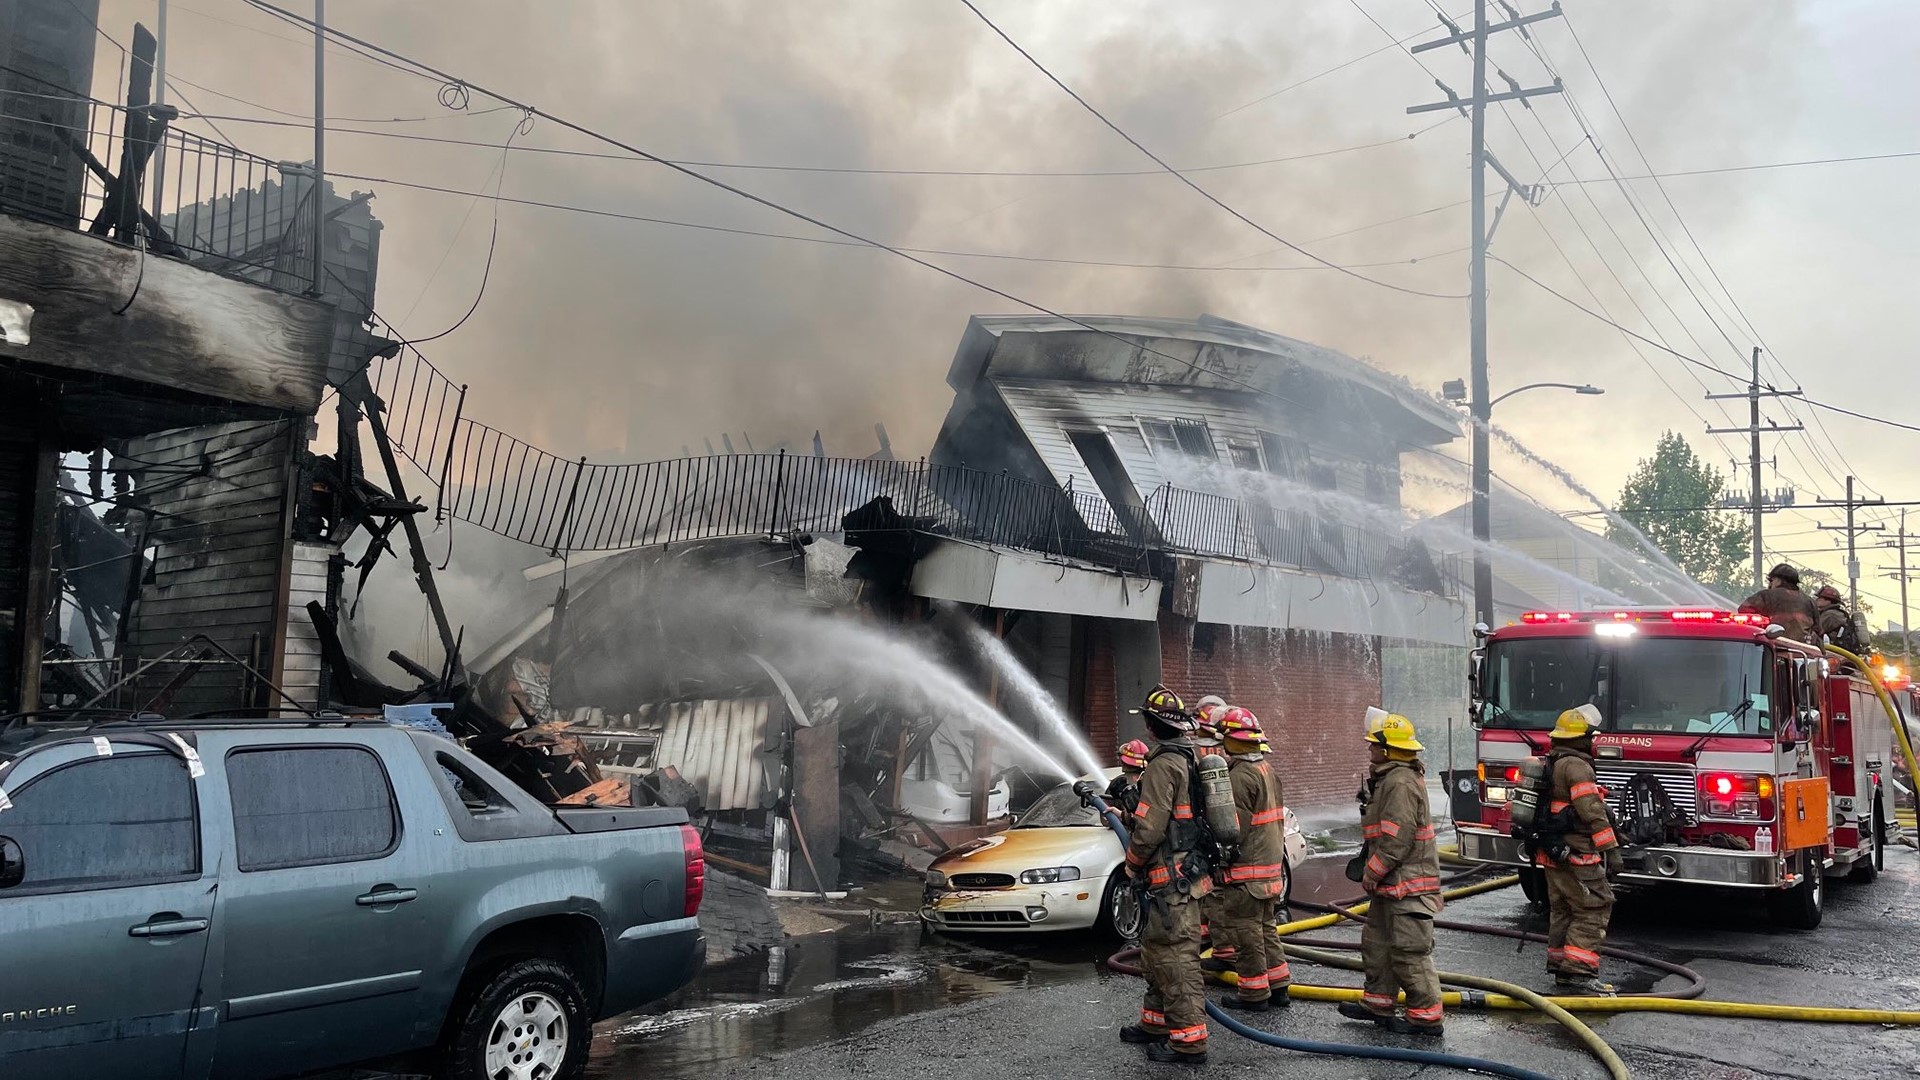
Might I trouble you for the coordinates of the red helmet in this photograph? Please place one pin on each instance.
(1234, 722)
(1133, 755)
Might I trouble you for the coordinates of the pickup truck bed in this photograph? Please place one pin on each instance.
(258, 899)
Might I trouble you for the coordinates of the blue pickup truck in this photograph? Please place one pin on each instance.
(251, 899)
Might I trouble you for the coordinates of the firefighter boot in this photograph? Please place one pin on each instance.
(1239, 1004)
(1167, 1055)
(1137, 1035)
(1582, 984)
(1353, 1010)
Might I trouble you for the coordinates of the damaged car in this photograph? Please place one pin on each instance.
(1058, 868)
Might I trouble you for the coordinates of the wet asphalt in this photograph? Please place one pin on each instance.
(897, 1001)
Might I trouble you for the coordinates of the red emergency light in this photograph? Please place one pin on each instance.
(1700, 616)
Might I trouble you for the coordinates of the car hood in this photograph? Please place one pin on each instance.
(1015, 850)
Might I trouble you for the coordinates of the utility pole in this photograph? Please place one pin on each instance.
(1853, 531)
(1906, 615)
(159, 177)
(319, 142)
(1753, 431)
(1481, 408)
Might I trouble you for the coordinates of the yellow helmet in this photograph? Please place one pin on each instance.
(1395, 733)
(1375, 717)
(1577, 723)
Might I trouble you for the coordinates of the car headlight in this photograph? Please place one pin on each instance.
(1049, 875)
(936, 880)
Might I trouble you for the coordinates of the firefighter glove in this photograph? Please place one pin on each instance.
(1616, 863)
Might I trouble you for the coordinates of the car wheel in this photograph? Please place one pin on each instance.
(528, 1022)
(1801, 907)
(1120, 912)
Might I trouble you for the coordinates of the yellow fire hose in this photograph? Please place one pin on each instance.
(1886, 702)
(1504, 995)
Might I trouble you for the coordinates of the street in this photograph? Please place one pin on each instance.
(895, 1001)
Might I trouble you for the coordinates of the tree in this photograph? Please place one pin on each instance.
(1666, 497)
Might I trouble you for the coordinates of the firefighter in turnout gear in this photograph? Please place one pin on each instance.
(1206, 720)
(1162, 856)
(1123, 794)
(1402, 876)
(1256, 880)
(1580, 855)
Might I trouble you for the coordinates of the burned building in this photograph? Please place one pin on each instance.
(1259, 479)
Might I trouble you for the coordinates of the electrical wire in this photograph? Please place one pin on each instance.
(1188, 181)
(831, 242)
(493, 238)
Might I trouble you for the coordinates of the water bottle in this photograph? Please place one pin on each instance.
(1763, 840)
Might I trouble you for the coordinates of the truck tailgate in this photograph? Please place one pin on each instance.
(587, 819)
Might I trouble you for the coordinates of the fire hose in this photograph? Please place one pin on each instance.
(1615, 1067)
(1886, 702)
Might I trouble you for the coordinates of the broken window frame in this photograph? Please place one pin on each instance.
(1175, 437)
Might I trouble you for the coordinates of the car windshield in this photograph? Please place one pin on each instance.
(1676, 686)
(1059, 808)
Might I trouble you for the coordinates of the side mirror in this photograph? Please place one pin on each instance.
(1476, 681)
(13, 863)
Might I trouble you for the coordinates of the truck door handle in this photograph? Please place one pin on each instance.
(167, 924)
(382, 895)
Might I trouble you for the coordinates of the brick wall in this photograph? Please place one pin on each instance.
(1099, 711)
(1309, 689)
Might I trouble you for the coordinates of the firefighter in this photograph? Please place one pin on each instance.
(1256, 880)
(1782, 602)
(1585, 854)
(1836, 624)
(1402, 876)
(1123, 793)
(1162, 855)
(1206, 716)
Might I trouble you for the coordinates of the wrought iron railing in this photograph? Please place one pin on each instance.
(188, 197)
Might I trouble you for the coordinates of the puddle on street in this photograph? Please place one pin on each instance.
(826, 987)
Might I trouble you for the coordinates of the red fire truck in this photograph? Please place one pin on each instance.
(1731, 755)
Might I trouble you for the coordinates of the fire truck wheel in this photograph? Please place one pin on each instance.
(1801, 907)
(1533, 882)
(1869, 868)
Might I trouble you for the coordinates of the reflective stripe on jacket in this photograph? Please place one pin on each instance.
(1401, 857)
(1263, 842)
(1575, 787)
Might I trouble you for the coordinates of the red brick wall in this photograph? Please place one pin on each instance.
(1099, 712)
(1310, 690)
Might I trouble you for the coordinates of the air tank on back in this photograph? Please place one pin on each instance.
(1216, 786)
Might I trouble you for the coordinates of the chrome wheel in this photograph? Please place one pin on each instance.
(528, 1040)
(1123, 905)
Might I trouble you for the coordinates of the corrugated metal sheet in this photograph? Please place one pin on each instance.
(714, 744)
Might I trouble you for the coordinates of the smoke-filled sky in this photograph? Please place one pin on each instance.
(626, 340)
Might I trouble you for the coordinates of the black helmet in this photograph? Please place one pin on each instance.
(1786, 574)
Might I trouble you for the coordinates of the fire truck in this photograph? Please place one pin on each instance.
(1731, 756)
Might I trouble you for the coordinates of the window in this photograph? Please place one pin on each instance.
(1185, 438)
(1244, 456)
(303, 806)
(106, 823)
(1285, 457)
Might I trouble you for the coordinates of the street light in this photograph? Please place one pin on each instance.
(1455, 390)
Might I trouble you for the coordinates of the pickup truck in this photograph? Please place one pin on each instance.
(271, 898)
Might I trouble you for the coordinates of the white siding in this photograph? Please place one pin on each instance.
(300, 668)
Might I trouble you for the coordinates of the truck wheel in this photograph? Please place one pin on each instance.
(1120, 911)
(1533, 882)
(1868, 868)
(1801, 907)
(528, 1022)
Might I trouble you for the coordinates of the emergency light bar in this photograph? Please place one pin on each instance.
(1678, 615)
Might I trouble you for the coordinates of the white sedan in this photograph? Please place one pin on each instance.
(1058, 868)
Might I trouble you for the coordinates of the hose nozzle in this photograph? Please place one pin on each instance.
(1086, 790)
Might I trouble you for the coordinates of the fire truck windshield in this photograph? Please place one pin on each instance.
(1675, 686)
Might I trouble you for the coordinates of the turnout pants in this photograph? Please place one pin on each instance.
(1580, 901)
(1397, 948)
(1175, 1004)
(1246, 925)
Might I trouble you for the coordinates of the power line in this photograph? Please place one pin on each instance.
(840, 170)
(1203, 192)
(799, 215)
(831, 242)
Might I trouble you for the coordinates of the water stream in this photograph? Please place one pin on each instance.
(1016, 679)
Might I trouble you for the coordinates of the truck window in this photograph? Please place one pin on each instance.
(1534, 680)
(106, 823)
(1693, 688)
(307, 805)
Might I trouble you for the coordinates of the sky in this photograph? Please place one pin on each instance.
(628, 341)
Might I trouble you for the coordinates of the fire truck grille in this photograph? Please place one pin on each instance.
(1679, 786)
